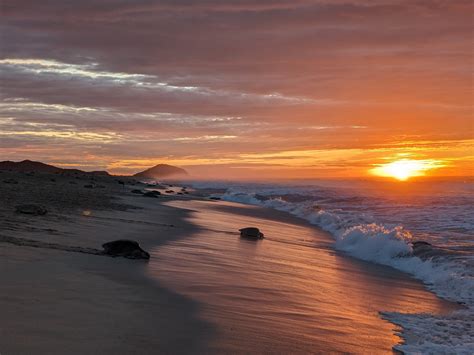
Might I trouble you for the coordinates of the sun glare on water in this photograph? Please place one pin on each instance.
(405, 168)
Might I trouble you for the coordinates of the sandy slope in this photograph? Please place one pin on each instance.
(56, 302)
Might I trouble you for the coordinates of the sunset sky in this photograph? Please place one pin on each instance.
(246, 88)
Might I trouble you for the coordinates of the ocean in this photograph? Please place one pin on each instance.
(377, 221)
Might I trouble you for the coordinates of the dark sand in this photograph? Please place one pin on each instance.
(57, 302)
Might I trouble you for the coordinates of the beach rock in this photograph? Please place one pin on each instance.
(420, 244)
(169, 191)
(10, 181)
(262, 197)
(427, 251)
(152, 194)
(125, 248)
(136, 191)
(214, 198)
(32, 209)
(251, 232)
(422, 249)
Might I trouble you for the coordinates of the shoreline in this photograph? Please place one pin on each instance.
(366, 272)
(146, 219)
(425, 264)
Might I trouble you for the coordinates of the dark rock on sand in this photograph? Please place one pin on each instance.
(136, 191)
(125, 248)
(152, 194)
(10, 181)
(251, 232)
(169, 191)
(214, 198)
(32, 209)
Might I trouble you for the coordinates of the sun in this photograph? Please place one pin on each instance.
(406, 168)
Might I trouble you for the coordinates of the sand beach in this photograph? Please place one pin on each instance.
(204, 289)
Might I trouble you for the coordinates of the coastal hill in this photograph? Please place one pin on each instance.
(38, 167)
(27, 166)
(161, 171)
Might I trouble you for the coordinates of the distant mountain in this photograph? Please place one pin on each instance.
(38, 167)
(160, 171)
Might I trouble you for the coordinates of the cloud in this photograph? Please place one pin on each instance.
(162, 79)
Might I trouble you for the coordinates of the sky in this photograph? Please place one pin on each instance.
(234, 89)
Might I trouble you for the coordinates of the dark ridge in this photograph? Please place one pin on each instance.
(29, 166)
(38, 167)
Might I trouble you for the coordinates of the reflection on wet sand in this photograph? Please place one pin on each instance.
(287, 293)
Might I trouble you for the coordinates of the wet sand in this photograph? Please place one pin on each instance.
(290, 292)
(204, 290)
